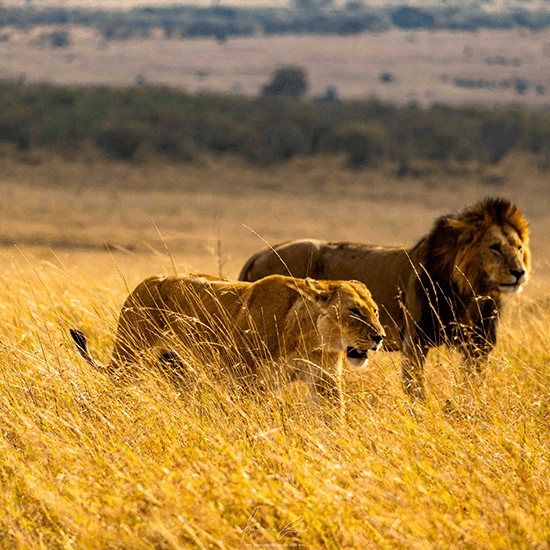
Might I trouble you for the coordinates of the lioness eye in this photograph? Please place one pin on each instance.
(355, 311)
(496, 248)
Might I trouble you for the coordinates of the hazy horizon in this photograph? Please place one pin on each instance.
(128, 4)
(493, 6)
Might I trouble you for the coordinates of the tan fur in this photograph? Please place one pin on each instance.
(448, 289)
(279, 328)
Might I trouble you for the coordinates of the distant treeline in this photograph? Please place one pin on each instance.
(306, 16)
(137, 122)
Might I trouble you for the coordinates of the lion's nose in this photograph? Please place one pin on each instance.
(517, 273)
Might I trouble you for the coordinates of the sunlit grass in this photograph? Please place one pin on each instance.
(90, 463)
(86, 462)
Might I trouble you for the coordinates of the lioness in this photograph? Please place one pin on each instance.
(447, 289)
(281, 327)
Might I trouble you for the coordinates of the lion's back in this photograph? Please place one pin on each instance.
(298, 258)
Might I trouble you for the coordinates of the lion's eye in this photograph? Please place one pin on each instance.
(496, 248)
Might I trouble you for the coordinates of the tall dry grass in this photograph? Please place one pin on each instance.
(90, 463)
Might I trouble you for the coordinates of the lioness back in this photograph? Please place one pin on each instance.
(160, 303)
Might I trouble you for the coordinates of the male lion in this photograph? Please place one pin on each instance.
(447, 289)
(279, 327)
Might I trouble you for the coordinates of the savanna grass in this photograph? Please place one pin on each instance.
(88, 462)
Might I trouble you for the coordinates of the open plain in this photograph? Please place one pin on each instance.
(89, 463)
(482, 67)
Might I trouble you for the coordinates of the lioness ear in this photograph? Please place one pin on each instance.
(310, 289)
(316, 290)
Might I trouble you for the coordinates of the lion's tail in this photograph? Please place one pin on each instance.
(82, 346)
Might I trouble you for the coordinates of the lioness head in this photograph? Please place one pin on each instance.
(348, 318)
(490, 245)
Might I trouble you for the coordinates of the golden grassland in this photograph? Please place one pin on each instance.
(89, 463)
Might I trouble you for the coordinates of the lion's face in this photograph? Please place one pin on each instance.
(499, 262)
(349, 323)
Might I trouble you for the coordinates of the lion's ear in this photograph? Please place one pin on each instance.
(460, 230)
(458, 226)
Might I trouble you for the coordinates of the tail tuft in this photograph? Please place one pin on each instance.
(82, 346)
(79, 340)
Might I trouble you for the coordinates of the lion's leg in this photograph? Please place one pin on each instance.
(474, 347)
(412, 368)
(475, 359)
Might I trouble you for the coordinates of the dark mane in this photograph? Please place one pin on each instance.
(497, 211)
(439, 247)
(437, 255)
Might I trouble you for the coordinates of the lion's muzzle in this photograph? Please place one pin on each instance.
(518, 279)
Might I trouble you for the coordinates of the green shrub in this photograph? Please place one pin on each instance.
(442, 145)
(221, 135)
(271, 144)
(270, 128)
(120, 142)
(174, 146)
(287, 81)
(16, 127)
(17, 132)
(363, 142)
(497, 137)
(537, 135)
